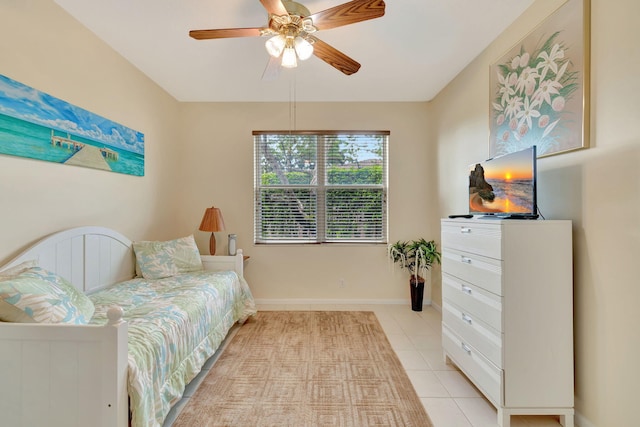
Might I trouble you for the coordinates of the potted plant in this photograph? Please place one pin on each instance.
(417, 256)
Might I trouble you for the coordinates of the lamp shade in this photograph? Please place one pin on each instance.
(212, 220)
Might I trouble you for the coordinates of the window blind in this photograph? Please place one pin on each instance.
(320, 187)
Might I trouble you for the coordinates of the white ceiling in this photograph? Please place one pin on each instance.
(409, 54)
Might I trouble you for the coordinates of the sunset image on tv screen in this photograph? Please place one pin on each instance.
(503, 184)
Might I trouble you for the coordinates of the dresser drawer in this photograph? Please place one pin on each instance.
(483, 272)
(473, 331)
(480, 238)
(486, 376)
(480, 303)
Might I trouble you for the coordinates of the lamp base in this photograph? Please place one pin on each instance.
(212, 244)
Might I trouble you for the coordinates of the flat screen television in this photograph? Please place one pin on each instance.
(505, 186)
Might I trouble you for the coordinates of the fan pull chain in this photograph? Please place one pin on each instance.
(292, 104)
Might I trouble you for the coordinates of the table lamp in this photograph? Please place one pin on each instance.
(212, 221)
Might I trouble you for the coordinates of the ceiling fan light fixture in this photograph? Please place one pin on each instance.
(289, 59)
(303, 48)
(290, 27)
(275, 45)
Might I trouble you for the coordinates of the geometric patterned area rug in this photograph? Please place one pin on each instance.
(306, 368)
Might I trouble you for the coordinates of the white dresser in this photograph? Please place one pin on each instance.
(507, 312)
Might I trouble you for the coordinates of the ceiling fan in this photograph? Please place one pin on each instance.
(291, 27)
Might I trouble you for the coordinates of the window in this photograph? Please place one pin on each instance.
(320, 187)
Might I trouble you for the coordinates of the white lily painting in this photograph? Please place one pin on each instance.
(537, 88)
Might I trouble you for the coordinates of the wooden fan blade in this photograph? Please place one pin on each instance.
(348, 13)
(224, 33)
(274, 7)
(334, 57)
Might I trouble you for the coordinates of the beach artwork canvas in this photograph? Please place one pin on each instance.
(39, 126)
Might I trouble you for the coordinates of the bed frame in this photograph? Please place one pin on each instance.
(75, 375)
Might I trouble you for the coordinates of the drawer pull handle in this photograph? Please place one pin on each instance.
(467, 318)
(466, 289)
(465, 260)
(465, 230)
(466, 349)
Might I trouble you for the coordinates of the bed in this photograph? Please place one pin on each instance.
(99, 373)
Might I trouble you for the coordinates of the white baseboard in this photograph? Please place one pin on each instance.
(436, 306)
(313, 301)
(581, 421)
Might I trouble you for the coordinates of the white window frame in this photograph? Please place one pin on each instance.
(321, 187)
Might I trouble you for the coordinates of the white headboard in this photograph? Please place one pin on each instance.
(89, 257)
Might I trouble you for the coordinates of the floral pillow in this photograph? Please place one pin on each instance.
(14, 271)
(158, 260)
(39, 296)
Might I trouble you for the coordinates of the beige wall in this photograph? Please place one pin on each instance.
(43, 47)
(219, 171)
(597, 188)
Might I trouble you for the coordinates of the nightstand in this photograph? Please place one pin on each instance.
(225, 262)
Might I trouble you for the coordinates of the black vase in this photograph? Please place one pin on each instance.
(417, 294)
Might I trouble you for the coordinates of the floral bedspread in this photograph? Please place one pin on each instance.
(175, 324)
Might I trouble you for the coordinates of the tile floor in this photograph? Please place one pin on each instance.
(449, 398)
